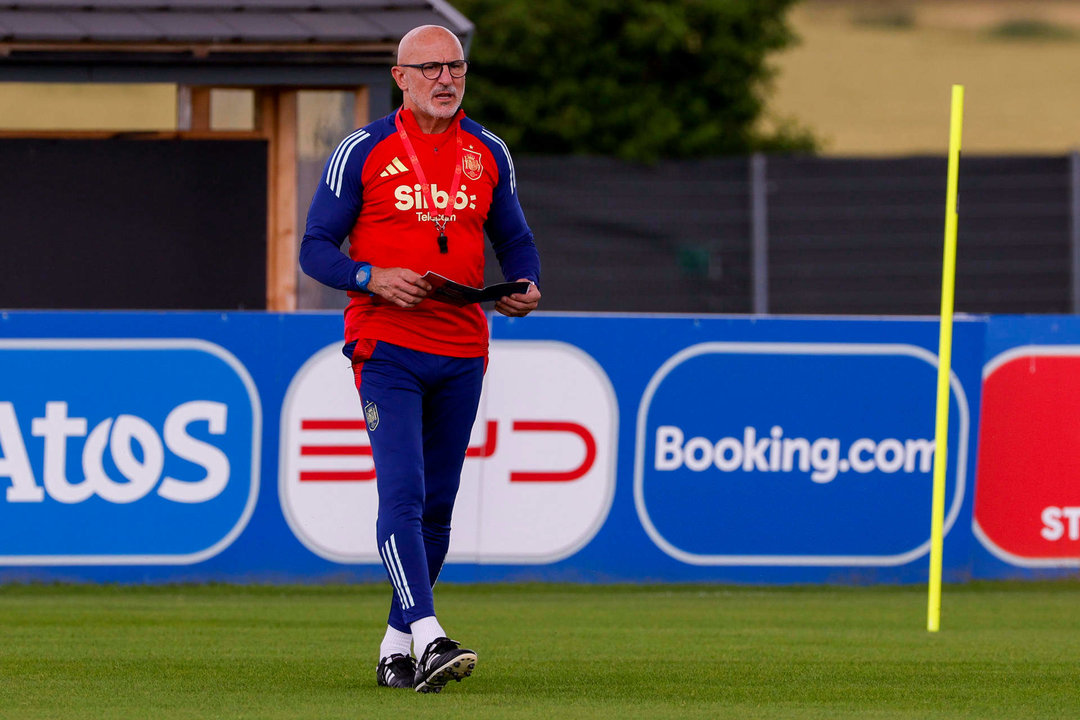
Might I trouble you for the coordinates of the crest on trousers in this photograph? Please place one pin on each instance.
(371, 414)
(471, 165)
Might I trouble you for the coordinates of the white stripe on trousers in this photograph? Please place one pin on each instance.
(404, 580)
(385, 552)
(397, 573)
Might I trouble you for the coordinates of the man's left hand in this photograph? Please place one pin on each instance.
(519, 304)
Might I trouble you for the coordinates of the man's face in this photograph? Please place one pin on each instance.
(438, 98)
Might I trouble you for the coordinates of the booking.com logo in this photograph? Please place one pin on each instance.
(822, 459)
(124, 451)
(786, 453)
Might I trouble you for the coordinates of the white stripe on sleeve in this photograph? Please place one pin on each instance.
(334, 177)
(331, 167)
(509, 160)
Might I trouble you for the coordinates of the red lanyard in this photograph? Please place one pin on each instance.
(451, 195)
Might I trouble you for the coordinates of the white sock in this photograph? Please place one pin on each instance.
(395, 642)
(424, 631)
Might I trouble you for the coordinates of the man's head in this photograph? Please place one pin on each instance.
(439, 98)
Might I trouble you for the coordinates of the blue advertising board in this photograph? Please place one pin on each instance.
(151, 438)
(153, 447)
(125, 452)
(776, 450)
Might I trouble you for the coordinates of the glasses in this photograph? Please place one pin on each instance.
(433, 70)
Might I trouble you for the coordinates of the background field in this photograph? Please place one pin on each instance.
(872, 77)
(869, 77)
(1005, 651)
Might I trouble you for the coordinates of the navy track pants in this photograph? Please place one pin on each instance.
(419, 410)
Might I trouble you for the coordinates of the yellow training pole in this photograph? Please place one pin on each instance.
(941, 428)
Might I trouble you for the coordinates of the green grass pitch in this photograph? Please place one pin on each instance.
(207, 652)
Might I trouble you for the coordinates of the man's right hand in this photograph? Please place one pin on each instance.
(401, 286)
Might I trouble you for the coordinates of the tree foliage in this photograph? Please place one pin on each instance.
(636, 79)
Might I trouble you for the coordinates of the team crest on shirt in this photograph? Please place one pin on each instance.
(471, 165)
(371, 414)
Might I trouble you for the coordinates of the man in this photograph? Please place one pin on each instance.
(414, 192)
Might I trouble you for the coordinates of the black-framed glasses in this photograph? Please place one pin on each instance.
(433, 70)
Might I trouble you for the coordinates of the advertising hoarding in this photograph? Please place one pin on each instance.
(207, 446)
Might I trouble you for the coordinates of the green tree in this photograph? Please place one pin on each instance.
(636, 79)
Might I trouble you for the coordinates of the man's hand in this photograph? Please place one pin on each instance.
(401, 286)
(519, 304)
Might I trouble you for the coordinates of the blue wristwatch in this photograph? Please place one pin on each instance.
(363, 277)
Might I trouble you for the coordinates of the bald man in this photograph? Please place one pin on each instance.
(414, 192)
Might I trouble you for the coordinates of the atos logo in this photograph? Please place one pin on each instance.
(794, 454)
(124, 451)
(539, 473)
(121, 436)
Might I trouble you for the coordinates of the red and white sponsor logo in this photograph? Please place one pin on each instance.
(539, 473)
(1027, 483)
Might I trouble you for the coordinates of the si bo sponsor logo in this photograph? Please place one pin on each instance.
(124, 452)
(411, 197)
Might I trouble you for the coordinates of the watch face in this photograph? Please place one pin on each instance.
(362, 276)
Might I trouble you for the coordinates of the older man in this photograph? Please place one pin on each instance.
(414, 192)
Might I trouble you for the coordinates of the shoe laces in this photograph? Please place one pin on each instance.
(438, 646)
(398, 664)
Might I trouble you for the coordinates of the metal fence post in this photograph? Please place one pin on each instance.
(1074, 226)
(759, 234)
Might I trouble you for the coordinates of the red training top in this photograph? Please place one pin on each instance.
(371, 187)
